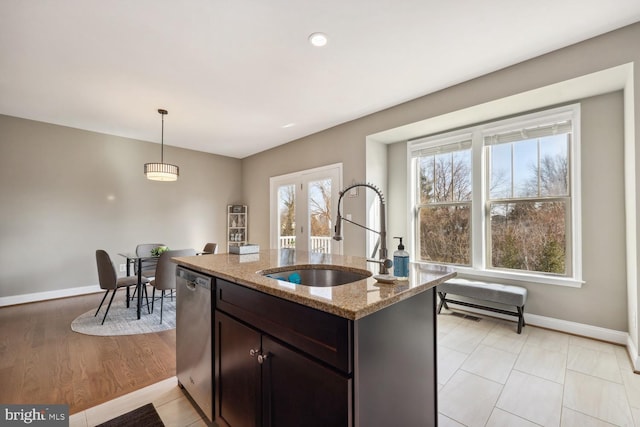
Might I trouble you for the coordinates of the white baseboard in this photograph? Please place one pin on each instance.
(43, 296)
(632, 350)
(595, 332)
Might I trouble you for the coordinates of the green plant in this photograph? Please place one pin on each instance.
(159, 250)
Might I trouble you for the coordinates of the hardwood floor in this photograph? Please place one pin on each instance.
(42, 361)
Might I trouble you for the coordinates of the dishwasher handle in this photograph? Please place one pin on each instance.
(192, 280)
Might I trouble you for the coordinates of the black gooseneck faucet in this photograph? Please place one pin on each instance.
(383, 260)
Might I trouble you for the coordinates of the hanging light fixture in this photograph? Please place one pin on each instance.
(161, 171)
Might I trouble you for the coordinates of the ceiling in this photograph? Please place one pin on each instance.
(233, 74)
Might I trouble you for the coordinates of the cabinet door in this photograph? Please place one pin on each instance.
(237, 373)
(298, 391)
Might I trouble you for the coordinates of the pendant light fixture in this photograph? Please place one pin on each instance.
(161, 171)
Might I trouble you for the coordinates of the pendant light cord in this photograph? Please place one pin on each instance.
(162, 141)
(163, 113)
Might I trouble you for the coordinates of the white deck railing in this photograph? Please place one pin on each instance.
(317, 243)
(287, 242)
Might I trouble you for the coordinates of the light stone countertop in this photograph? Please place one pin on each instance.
(352, 300)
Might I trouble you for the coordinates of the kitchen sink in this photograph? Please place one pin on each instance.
(316, 275)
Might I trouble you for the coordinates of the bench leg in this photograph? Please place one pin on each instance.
(520, 318)
(442, 301)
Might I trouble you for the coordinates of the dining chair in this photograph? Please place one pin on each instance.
(109, 280)
(209, 248)
(165, 275)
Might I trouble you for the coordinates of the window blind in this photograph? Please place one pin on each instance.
(422, 150)
(521, 134)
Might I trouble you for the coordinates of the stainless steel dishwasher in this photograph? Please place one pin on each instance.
(194, 337)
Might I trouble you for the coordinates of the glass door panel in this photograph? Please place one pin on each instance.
(320, 223)
(286, 216)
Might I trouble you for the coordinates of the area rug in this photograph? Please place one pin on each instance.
(146, 416)
(123, 321)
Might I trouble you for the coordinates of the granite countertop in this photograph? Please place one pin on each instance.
(352, 301)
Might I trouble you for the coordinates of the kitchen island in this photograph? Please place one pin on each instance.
(358, 354)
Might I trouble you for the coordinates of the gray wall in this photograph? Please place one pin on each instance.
(397, 194)
(347, 143)
(67, 192)
(331, 146)
(603, 298)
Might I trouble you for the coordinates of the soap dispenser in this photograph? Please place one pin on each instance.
(401, 262)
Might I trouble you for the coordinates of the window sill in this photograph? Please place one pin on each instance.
(516, 278)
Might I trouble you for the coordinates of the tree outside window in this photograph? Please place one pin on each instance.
(529, 204)
(445, 207)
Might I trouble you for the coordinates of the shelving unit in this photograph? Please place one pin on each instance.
(237, 225)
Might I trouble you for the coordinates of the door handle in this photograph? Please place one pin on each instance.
(262, 358)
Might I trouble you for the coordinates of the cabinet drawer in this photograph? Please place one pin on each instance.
(321, 335)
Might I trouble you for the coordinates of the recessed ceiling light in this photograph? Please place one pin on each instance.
(318, 39)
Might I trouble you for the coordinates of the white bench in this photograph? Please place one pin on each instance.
(493, 292)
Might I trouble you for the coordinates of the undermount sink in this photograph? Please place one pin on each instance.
(316, 275)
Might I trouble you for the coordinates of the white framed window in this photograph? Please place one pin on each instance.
(501, 199)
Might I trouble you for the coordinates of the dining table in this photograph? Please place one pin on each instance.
(132, 259)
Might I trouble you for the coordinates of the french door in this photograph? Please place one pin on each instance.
(303, 209)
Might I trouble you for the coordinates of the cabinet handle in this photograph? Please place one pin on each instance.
(262, 358)
(253, 352)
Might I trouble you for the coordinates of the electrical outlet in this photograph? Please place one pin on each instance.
(123, 268)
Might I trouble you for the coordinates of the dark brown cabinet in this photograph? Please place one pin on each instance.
(262, 382)
(237, 373)
(279, 364)
(299, 391)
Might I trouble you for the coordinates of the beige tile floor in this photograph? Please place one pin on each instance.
(488, 375)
